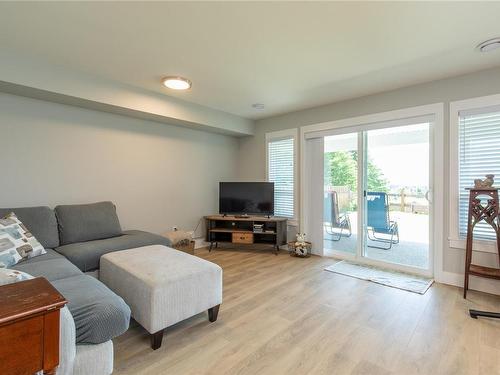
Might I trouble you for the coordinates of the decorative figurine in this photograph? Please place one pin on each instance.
(487, 183)
(301, 245)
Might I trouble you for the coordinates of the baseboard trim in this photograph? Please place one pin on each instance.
(475, 283)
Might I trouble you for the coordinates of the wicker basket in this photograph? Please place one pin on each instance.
(182, 241)
(291, 249)
(186, 248)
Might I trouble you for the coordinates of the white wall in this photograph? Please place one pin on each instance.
(252, 149)
(158, 175)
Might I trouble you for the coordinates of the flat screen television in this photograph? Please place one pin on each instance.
(246, 198)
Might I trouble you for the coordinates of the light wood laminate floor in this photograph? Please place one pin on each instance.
(285, 315)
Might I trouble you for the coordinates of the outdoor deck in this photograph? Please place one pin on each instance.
(412, 250)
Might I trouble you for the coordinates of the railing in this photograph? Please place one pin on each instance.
(414, 203)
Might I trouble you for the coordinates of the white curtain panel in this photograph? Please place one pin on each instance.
(313, 210)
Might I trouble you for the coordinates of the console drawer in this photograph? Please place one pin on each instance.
(240, 237)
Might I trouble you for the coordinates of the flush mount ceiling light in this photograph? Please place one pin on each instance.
(258, 106)
(176, 83)
(489, 45)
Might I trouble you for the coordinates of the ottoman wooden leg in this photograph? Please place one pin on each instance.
(212, 313)
(156, 339)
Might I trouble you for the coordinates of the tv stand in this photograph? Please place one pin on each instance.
(240, 230)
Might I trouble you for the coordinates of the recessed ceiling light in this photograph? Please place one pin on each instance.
(489, 45)
(176, 83)
(258, 106)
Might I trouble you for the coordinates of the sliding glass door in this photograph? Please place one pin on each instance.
(376, 200)
(397, 195)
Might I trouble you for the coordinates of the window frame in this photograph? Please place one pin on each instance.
(456, 107)
(281, 135)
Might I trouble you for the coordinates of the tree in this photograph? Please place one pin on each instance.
(341, 170)
(376, 179)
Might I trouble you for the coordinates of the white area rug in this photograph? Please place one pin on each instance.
(411, 283)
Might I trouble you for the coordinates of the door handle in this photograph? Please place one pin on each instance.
(428, 196)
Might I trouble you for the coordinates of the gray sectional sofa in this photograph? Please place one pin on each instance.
(75, 238)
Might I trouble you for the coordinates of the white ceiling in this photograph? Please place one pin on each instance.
(288, 56)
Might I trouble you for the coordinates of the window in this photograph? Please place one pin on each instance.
(281, 154)
(475, 152)
(479, 154)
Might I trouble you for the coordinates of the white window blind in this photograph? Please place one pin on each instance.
(479, 154)
(280, 156)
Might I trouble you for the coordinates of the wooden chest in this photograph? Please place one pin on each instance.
(29, 327)
(242, 237)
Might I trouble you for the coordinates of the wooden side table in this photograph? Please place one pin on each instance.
(29, 327)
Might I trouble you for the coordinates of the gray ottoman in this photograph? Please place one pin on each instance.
(162, 286)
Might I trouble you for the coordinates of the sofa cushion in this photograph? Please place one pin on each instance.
(41, 222)
(52, 266)
(87, 222)
(15, 237)
(100, 315)
(86, 255)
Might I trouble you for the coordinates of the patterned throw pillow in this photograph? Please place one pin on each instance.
(12, 276)
(16, 242)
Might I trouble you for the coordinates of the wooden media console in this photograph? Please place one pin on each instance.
(240, 230)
